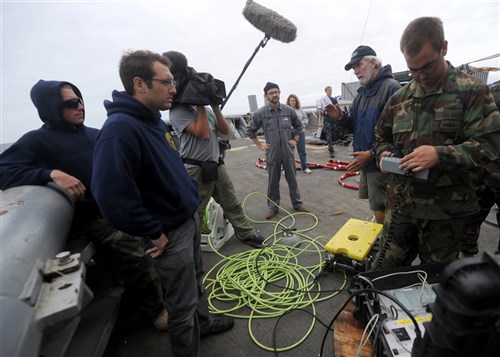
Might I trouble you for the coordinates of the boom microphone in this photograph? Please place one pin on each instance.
(272, 24)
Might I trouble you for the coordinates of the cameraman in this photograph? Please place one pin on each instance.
(197, 125)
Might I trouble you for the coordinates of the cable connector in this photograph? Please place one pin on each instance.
(290, 238)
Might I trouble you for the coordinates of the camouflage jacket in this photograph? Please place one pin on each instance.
(460, 119)
(492, 179)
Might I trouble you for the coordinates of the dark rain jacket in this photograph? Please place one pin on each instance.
(366, 109)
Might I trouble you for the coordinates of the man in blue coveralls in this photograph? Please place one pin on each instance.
(277, 120)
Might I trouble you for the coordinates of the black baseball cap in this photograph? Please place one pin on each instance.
(358, 55)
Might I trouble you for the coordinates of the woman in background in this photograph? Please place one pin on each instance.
(294, 102)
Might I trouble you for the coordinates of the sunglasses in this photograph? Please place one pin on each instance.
(72, 103)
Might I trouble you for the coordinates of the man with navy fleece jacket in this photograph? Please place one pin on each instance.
(142, 188)
(60, 152)
(377, 85)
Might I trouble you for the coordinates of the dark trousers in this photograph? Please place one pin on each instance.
(180, 269)
(329, 127)
(472, 227)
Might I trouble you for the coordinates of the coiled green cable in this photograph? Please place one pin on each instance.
(269, 282)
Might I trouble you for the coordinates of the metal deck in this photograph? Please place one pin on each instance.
(332, 204)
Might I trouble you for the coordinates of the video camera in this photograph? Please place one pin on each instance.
(194, 88)
(201, 89)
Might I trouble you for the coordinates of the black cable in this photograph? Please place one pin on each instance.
(313, 315)
(376, 336)
(377, 264)
(275, 348)
(394, 312)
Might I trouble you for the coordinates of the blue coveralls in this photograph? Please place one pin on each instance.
(277, 126)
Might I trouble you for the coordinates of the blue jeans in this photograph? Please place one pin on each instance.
(301, 149)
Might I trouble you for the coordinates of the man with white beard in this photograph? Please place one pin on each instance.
(377, 85)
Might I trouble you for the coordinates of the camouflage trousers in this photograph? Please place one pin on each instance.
(124, 255)
(432, 241)
(222, 191)
(331, 128)
(472, 227)
(333, 132)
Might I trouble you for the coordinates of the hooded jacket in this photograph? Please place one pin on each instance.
(30, 160)
(139, 180)
(366, 109)
(57, 144)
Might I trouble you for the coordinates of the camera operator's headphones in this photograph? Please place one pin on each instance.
(194, 88)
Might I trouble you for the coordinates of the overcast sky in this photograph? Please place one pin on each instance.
(82, 42)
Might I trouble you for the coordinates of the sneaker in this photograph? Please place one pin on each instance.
(332, 154)
(301, 208)
(271, 214)
(255, 241)
(219, 325)
(161, 321)
(307, 171)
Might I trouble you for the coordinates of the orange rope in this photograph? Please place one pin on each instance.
(336, 165)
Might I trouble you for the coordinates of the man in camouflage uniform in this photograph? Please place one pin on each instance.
(444, 121)
(487, 185)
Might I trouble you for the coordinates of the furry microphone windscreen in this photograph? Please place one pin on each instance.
(271, 23)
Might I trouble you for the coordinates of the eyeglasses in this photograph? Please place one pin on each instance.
(426, 68)
(166, 82)
(72, 103)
